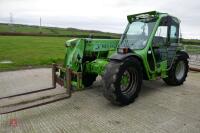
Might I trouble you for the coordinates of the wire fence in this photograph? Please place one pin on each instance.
(194, 53)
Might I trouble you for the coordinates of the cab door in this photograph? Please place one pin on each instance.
(173, 41)
(160, 45)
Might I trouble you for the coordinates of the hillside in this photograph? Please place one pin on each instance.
(31, 29)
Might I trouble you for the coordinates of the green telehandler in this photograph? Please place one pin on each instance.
(149, 49)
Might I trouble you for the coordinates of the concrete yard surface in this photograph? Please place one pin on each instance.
(158, 109)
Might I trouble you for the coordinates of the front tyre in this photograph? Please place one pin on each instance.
(122, 81)
(178, 72)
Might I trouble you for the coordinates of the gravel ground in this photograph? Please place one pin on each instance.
(158, 109)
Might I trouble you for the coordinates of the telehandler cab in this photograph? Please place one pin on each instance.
(149, 49)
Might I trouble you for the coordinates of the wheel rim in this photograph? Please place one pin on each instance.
(180, 70)
(126, 77)
(129, 82)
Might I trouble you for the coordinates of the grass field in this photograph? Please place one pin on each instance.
(27, 51)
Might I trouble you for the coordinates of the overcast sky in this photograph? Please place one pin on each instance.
(104, 15)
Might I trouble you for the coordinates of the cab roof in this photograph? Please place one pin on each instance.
(150, 14)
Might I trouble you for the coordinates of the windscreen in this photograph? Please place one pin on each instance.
(137, 34)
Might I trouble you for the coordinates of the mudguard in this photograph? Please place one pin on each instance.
(120, 56)
(183, 53)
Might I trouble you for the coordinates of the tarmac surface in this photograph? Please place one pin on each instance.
(158, 109)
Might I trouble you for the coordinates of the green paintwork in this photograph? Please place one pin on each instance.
(125, 80)
(77, 49)
(96, 66)
(96, 50)
(92, 55)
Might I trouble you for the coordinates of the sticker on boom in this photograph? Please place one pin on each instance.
(104, 47)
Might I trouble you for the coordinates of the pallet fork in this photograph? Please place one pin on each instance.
(56, 79)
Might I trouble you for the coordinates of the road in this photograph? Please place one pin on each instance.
(158, 109)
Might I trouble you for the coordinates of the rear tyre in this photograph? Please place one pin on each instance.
(88, 79)
(122, 81)
(178, 72)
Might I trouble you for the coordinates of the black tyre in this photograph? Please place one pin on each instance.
(178, 72)
(122, 81)
(88, 79)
